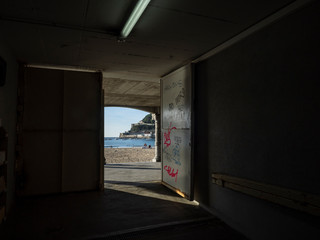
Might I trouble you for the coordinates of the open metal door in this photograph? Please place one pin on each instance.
(176, 126)
(59, 131)
(81, 131)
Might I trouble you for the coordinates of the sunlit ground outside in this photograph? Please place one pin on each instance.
(130, 169)
(143, 179)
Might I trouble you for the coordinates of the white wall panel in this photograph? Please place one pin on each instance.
(176, 97)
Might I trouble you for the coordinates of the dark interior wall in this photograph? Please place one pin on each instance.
(201, 161)
(8, 114)
(257, 117)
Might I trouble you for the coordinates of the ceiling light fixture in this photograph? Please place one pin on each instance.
(134, 17)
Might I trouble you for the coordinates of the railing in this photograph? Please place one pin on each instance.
(306, 202)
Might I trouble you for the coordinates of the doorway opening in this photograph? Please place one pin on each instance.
(129, 147)
(129, 135)
(130, 167)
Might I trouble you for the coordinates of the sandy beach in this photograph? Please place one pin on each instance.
(125, 155)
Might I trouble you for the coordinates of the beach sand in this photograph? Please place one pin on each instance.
(125, 155)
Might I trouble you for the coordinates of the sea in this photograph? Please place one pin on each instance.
(114, 142)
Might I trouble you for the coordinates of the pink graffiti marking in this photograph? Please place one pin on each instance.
(171, 172)
(167, 140)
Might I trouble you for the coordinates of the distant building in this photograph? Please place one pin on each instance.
(137, 135)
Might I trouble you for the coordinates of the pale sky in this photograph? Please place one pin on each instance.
(117, 120)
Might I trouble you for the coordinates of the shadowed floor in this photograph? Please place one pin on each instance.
(138, 209)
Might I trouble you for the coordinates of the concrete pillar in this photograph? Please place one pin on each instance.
(157, 157)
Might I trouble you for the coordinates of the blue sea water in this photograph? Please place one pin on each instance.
(126, 143)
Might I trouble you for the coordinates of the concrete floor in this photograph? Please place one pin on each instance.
(134, 205)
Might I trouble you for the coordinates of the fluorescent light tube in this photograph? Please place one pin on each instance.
(134, 17)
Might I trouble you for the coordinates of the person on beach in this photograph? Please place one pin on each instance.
(144, 146)
(149, 146)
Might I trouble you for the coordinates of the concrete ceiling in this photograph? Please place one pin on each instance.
(83, 34)
(131, 93)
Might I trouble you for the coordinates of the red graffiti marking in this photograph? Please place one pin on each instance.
(167, 140)
(171, 172)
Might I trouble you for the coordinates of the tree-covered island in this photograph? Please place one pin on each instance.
(143, 129)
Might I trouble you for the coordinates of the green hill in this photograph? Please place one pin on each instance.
(148, 119)
(146, 124)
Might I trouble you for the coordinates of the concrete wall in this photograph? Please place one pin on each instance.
(257, 107)
(8, 113)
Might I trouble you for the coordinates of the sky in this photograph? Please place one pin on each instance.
(118, 119)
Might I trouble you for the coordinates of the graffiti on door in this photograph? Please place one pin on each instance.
(167, 139)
